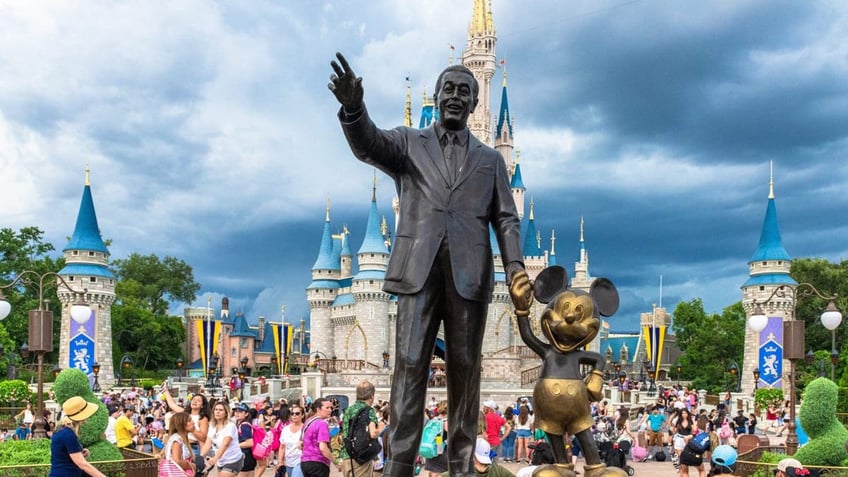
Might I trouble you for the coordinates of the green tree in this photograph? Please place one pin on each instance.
(141, 326)
(154, 283)
(830, 279)
(22, 250)
(710, 343)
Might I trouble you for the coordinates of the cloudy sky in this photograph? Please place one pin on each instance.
(211, 135)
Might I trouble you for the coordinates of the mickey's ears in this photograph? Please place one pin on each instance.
(549, 283)
(605, 295)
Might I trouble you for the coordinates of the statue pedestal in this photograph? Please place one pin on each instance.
(312, 383)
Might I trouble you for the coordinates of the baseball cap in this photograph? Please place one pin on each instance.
(724, 455)
(482, 450)
(788, 464)
(241, 407)
(490, 404)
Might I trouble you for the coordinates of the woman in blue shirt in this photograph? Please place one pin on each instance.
(67, 457)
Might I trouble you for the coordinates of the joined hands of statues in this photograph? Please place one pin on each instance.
(345, 85)
(521, 291)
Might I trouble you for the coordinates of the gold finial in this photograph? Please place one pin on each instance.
(87, 175)
(383, 226)
(517, 155)
(345, 229)
(581, 228)
(532, 203)
(327, 217)
(503, 65)
(553, 242)
(771, 180)
(539, 238)
(407, 112)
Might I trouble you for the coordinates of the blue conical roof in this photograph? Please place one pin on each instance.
(86, 232)
(241, 328)
(517, 183)
(504, 118)
(771, 245)
(531, 245)
(325, 253)
(373, 241)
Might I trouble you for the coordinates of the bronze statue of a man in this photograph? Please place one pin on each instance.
(452, 188)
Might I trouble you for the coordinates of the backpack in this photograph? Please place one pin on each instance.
(430, 439)
(263, 442)
(357, 439)
(699, 443)
(659, 456)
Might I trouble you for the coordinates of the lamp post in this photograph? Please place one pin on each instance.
(273, 365)
(793, 339)
(333, 359)
(733, 369)
(622, 377)
(831, 318)
(810, 358)
(180, 363)
(56, 370)
(756, 380)
(96, 368)
(41, 327)
(126, 363)
(242, 374)
(212, 381)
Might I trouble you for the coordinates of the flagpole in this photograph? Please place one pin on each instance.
(208, 337)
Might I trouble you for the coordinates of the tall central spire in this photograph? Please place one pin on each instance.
(479, 57)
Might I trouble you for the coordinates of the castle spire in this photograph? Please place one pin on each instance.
(325, 261)
(771, 180)
(771, 243)
(86, 232)
(407, 112)
(532, 240)
(552, 256)
(479, 56)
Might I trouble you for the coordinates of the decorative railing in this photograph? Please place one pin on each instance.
(531, 375)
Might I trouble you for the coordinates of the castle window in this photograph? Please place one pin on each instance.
(762, 288)
(92, 279)
(780, 262)
(75, 253)
(71, 278)
(90, 254)
(243, 343)
(232, 352)
(765, 263)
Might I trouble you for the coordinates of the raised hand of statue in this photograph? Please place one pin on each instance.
(521, 291)
(345, 85)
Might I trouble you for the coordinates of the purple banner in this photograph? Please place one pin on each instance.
(82, 343)
(770, 354)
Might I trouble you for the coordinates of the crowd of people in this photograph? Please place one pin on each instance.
(198, 433)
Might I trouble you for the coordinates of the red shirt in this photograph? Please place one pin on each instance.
(494, 422)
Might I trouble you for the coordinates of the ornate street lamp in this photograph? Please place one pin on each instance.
(622, 376)
(180, 363)
(756, 380)
(243, 363)
(679, 370)
(831, 318)
(733, 369)
(793, 339)
(810, 358)
(96, 368)
(41, 327)
(127, 364)
(333, 359)
(273, 364)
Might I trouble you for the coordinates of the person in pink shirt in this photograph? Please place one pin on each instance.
(496, 427)
(317, 456)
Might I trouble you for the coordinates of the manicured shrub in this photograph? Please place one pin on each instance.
(73, 382)
(818, 418)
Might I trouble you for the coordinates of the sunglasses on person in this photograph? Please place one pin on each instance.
(297, 414)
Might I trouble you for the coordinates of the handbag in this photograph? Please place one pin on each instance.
(169, 468)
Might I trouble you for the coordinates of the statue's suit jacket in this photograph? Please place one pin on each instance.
(434, 206)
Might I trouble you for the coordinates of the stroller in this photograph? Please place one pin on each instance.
(614, 454)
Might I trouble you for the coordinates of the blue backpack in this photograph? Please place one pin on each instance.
(431, 444)
(699, 443)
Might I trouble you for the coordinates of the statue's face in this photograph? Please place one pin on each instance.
(569, 321)
(455, 100)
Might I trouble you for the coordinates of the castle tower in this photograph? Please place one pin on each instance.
(534, 258)
(503, 132)
(768, 270)
(86, 267)
(517, 185)
(552, 256)
(323, 290)
(371, 302)
(581, 279)
(479, 57)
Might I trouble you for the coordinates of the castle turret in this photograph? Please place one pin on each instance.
(479, 57)
(768, 270)
(517, 185)
(324, 288)
(582, 280)
(87, 267)
(503, 133)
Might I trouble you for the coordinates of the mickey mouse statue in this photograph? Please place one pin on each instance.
(562, 394)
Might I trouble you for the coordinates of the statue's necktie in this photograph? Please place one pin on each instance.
(451, 155)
